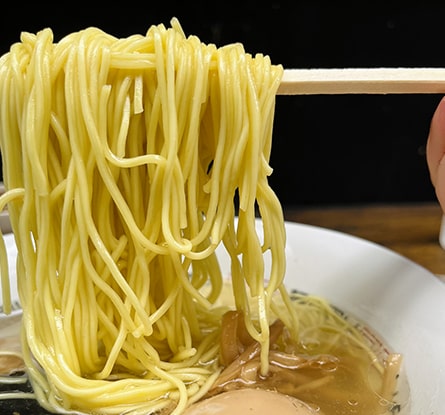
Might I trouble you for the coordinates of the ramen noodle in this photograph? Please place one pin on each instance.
(127, 162)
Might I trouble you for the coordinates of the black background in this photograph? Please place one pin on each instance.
(327, 149)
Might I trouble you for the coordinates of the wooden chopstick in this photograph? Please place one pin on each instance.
(363, 81)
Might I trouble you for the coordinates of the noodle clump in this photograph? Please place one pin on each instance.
(122, 159)
(127, 163)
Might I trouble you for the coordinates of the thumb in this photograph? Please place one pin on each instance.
(435, 152)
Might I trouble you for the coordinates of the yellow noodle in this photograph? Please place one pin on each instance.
(122, 159)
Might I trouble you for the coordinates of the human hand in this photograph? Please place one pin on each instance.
(435, 152)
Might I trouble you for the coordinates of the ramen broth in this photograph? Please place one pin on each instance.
(335, 371)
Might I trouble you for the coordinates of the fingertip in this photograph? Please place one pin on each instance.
(435, 146)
